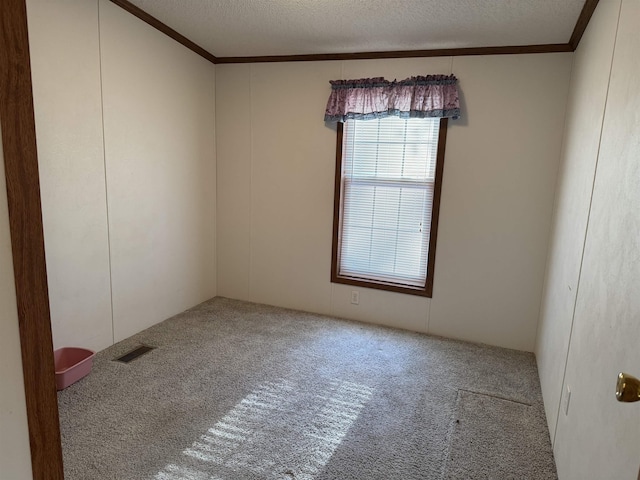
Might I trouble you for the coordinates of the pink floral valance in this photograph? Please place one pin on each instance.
(366, 98)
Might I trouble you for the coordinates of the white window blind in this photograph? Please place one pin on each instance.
(388, 179)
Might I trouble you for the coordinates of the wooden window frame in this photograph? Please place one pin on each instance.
(427, 290)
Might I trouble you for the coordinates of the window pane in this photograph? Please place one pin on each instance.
(387, 196)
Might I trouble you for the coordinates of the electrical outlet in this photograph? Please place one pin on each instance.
(355, 297)
(567, 399)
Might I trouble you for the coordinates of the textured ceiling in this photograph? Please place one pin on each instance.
(231, 28)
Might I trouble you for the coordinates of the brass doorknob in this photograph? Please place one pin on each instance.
(627, 388)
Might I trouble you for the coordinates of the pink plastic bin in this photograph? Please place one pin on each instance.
(72, 364)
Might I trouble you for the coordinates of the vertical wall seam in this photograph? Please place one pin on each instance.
(215, 172)
(106, 189)
(586, 233)
(249, 297)
(332, 306)
(428, 312)
(554, 207)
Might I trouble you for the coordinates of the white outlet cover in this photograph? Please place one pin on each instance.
(355, 297)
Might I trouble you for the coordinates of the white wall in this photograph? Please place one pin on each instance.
(595, 248)
(276, 162)
(159, 111)
(126, 146)
(15, 457)
(585, 112)
(65, 63)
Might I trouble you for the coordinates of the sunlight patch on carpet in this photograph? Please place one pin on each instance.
(276, 431)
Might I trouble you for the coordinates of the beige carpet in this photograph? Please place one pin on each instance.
(236, 390)
(496, 438)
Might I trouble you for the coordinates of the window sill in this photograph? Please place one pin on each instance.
(390, 287)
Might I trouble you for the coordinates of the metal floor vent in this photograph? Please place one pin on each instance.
(135, 353)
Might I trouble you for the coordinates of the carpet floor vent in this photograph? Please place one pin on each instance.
(135, 353)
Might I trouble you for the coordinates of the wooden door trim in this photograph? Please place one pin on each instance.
(27, 241)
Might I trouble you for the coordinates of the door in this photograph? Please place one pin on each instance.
(599, 437)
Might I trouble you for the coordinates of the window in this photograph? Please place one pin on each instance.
(388, 182)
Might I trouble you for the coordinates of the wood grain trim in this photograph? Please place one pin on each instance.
(420, 292)
(337, 188)
(435, 210)
(582, 23)
(445, 52)
(170, 32)
(427, 291)
(27, 241)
